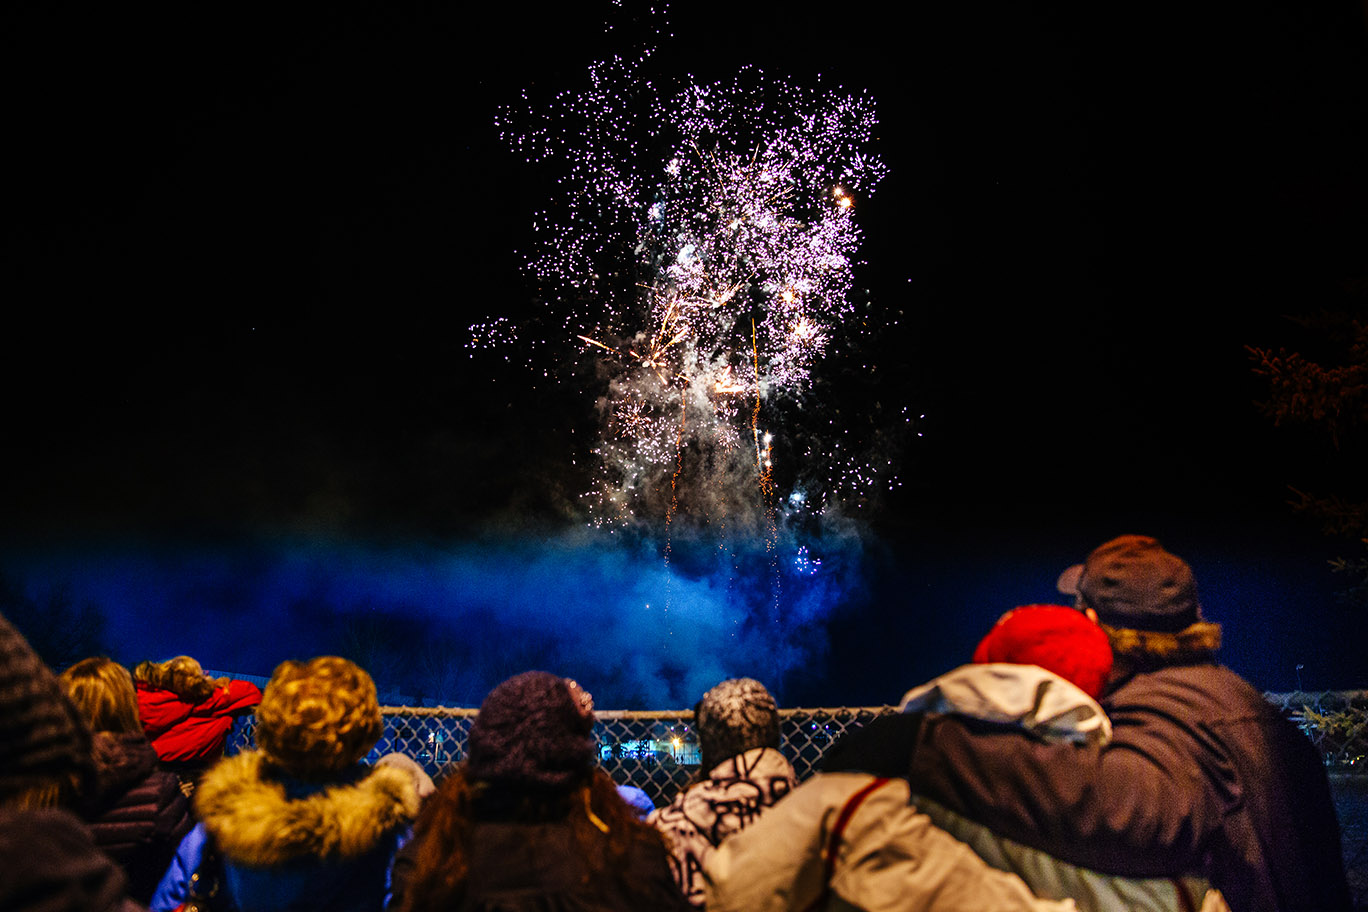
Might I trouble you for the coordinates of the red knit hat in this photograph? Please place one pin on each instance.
(1058, 639)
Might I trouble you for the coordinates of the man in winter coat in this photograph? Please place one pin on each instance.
(737, 723)
(1202, 775)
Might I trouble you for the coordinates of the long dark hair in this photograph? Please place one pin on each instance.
(604, 828)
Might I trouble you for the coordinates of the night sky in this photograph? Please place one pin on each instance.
(244, 247)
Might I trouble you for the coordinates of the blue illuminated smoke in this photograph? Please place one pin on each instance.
(448, 622)
(445, 623)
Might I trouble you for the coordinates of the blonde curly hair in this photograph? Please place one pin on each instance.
(183, 676)
(318, 717)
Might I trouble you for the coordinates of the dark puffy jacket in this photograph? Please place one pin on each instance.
(48, 863)
(137, 813)
(1202, 775)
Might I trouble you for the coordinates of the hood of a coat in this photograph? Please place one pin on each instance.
(259, 821)
(1194, 644)
(122, 760)
(1037, 700)
(161, 710)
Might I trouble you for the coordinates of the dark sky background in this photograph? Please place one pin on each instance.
(245, 244)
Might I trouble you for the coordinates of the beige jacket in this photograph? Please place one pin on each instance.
(848, 841)
(872, 846)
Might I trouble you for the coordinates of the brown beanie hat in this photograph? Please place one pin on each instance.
(1132, 582)
(533, 730)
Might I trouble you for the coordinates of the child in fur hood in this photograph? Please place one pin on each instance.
(300, 822)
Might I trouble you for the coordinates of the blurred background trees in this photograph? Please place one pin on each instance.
(1324, 385)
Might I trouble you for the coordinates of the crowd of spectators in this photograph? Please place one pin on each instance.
(1091, 757)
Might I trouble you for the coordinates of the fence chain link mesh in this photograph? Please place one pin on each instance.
(1336, 721)
(657, 751)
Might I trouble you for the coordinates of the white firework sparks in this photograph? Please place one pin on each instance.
(704, 243)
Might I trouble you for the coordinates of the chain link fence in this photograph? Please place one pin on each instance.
(1336, 721)
(657, 751)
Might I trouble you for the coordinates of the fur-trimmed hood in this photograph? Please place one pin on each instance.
(1197, 642)
(257, 822)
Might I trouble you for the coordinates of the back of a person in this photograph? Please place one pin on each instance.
(861, 839)
(136, 810)
(138, 814)
(185, 732)
(1259, 802)
(300, 822)
(186, 715)
(853, 842)
(529, 823)
(277, 859)
(48, 860)
(742, 774)
(353, 884)
(1280, 828)
(540, 867)
(510, 859)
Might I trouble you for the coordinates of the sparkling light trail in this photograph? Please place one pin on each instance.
(701, 248)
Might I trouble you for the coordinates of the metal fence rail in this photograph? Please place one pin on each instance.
(658, 751)
(654, 750)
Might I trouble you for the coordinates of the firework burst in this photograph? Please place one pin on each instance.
(701, 251)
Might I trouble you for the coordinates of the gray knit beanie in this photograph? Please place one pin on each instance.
(735, 716)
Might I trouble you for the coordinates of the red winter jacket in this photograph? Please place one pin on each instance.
(181, 731)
